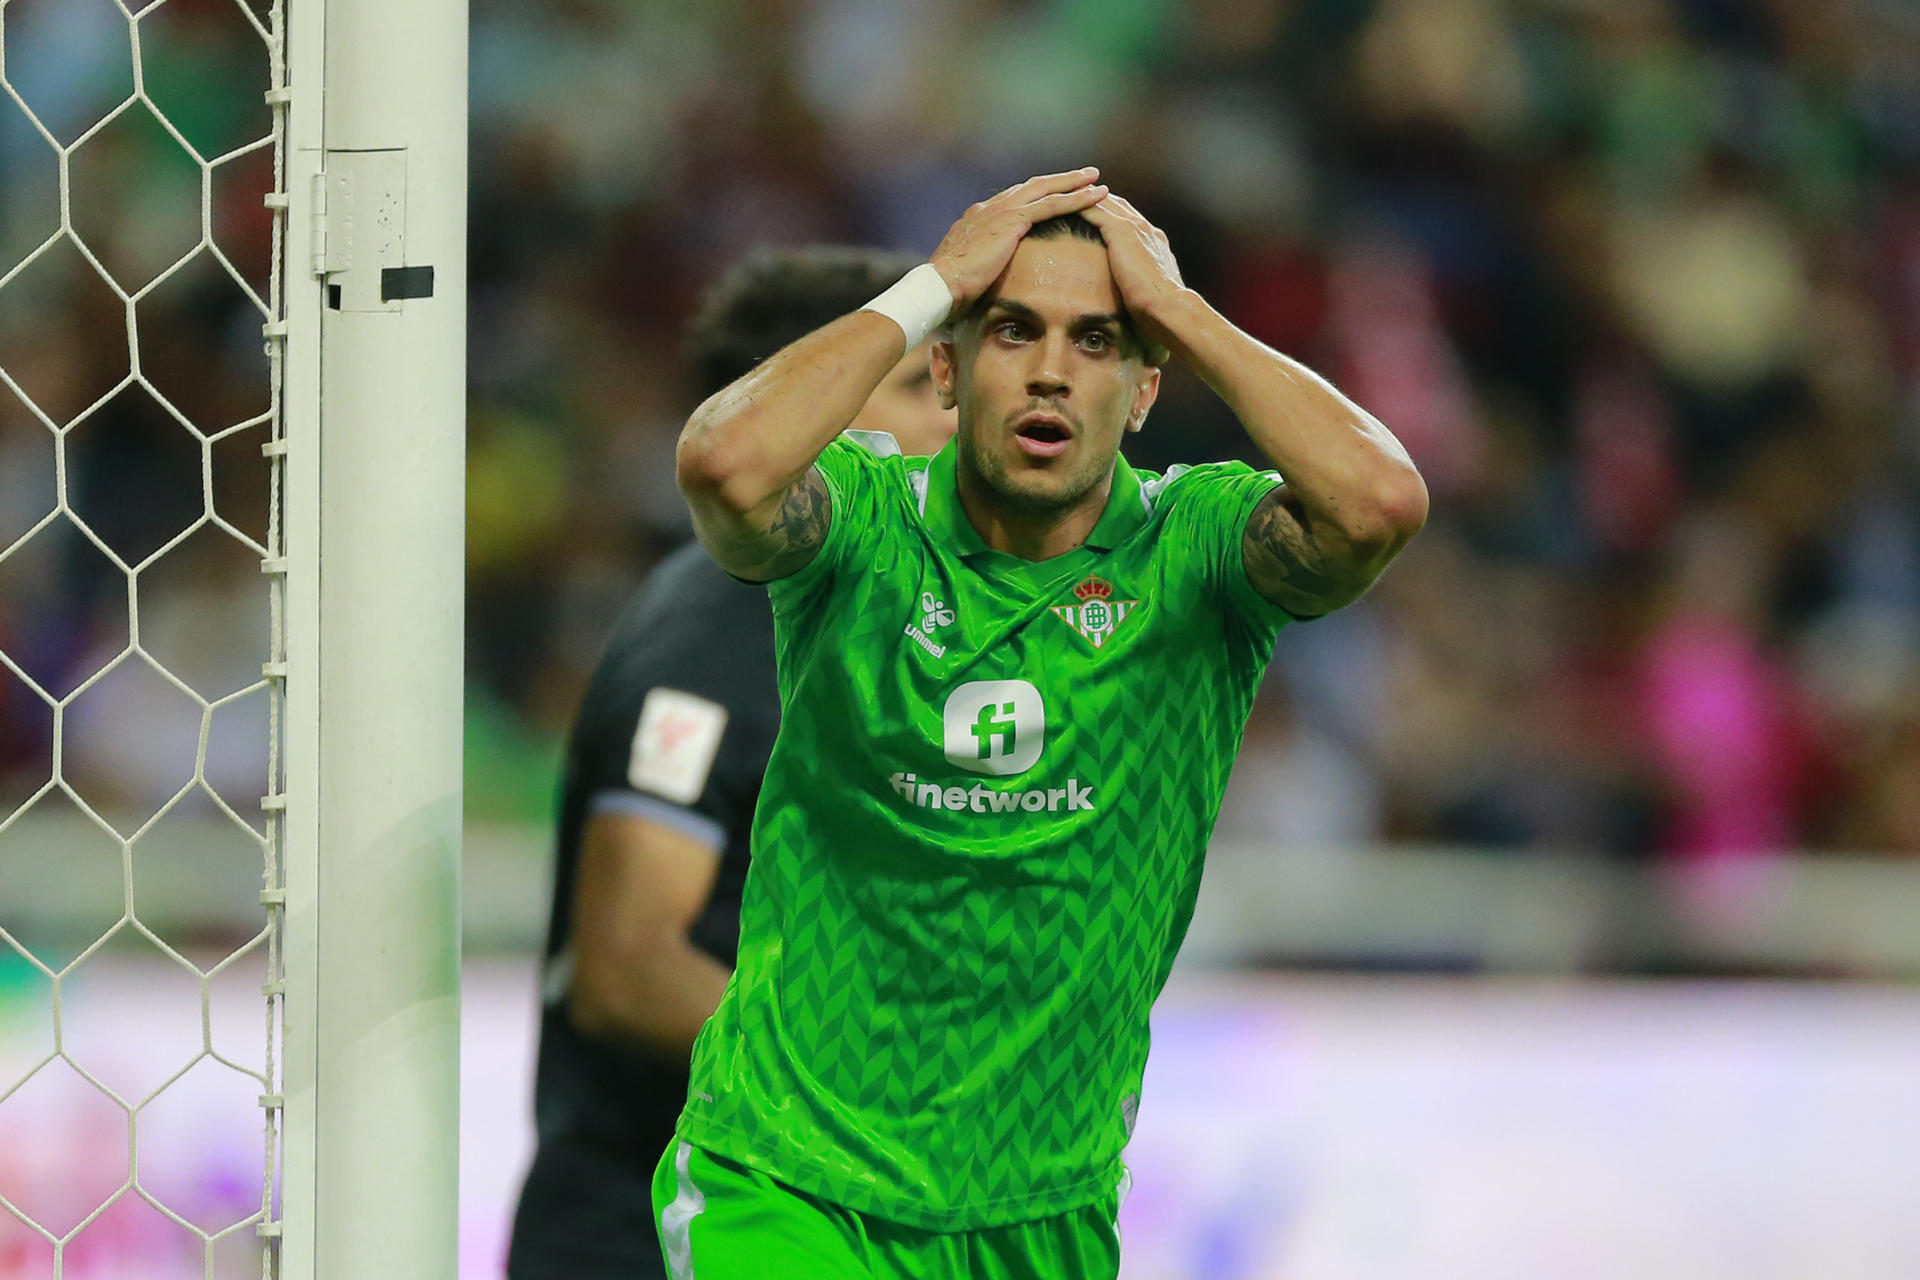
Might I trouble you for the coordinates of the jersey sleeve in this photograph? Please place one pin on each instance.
(679, 752)
(1215, 502)
(851, 466)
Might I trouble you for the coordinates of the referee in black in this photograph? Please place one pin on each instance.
(663, 769)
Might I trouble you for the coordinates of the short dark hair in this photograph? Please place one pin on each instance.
(777, 296)
(1067, 224)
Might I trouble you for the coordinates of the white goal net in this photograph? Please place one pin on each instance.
(142, 658)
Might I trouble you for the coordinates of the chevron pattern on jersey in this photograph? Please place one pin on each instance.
(940, 1011)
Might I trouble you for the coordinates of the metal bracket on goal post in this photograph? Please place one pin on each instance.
(374, 259)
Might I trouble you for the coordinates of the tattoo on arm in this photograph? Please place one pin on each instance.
(1287, 564)
(793, 534)
(804, 513)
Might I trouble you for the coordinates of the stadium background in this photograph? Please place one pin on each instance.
(1638, 283)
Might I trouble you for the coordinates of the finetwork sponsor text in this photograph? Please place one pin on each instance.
(980, 798)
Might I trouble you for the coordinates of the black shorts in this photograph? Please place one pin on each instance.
(586, 1213)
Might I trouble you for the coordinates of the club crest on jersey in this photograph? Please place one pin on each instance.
(1098, 615)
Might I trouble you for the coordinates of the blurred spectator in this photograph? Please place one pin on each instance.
(1295, 786)
(1722, 714)
(1637, 281)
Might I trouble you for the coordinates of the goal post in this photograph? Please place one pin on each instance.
(374, 393)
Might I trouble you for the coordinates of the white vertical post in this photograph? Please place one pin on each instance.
(375, 520)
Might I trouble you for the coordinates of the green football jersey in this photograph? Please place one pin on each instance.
(979, 840)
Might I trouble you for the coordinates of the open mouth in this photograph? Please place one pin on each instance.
(1042, 438)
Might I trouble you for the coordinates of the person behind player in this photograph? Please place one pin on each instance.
(663, 770)
(1013, 681)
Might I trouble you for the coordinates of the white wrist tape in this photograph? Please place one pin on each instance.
(918, 302)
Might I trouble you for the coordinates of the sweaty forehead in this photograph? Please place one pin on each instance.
(1059, 278)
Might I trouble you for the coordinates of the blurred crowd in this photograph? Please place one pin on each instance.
(1636, 281)
(134, 500)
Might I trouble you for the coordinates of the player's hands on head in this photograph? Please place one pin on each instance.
(977, 248)
(1143, 266)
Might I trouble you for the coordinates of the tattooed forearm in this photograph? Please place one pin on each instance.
(1289, 565)
(794, 533)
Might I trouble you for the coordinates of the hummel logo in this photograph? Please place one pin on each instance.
(934, 612)
(925, 641)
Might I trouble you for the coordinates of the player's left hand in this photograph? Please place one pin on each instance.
(1143, 266)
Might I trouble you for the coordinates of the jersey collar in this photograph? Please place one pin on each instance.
(1126, 510)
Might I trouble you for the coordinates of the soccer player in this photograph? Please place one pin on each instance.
(663, 771)
(1013, 680)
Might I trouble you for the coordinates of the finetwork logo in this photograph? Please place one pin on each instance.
(995, 726)
(980, 799)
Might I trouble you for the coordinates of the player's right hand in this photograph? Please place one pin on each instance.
(977, 248)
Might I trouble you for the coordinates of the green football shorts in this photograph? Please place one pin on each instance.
(723, 1221)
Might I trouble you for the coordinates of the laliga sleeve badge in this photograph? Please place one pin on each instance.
(675, 744)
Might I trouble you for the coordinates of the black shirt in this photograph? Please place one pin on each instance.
(676, 727)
